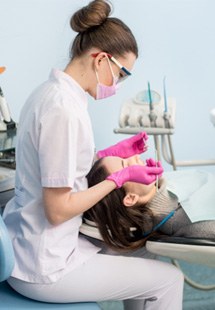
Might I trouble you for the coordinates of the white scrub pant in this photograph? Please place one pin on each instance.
(141, 283)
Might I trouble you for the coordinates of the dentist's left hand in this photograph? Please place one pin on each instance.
(136, 173)
(126, 148)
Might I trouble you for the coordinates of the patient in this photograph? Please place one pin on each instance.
(130, 214)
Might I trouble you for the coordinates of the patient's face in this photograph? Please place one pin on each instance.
(113, 164)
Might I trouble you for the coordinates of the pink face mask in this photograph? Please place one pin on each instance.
(104, 91)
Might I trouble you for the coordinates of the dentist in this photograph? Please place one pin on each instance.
(54, 153)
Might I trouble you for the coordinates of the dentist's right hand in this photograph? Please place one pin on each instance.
(127, 147)
(136, 173)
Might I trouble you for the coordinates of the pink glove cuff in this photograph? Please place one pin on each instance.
(101, 154)
(116, 178)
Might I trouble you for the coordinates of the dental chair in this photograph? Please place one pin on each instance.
(158, 120)
(191, 250)
(10, 299)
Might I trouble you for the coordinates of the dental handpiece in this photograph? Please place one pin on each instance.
(145, 145)
(4, 109)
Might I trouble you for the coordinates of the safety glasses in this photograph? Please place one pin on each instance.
(123, 74)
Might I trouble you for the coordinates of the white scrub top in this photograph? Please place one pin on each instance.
(55, 148)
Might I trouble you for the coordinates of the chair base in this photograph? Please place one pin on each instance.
(10, 299)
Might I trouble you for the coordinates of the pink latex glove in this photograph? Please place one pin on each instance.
(136, 173)
(152, 163)
(126, 148)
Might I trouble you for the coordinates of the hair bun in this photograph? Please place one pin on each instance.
(92, 15)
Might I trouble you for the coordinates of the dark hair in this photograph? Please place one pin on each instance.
(96, 29)
(114, 220)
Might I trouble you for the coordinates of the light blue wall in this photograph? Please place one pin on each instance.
(176, 40)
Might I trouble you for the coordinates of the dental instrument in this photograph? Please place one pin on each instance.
(164, 95)
(150, 97)
(145, 145)
(156, 159)
(152, 114)
(6, 121)
(166, 114)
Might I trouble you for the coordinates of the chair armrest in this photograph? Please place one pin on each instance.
(182, 240)
(192, 250)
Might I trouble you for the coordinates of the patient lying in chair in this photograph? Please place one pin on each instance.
(128, 216)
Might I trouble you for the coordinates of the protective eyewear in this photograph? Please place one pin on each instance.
(123, 74)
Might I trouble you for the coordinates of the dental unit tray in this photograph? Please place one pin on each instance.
(155, 115)
(138, 112)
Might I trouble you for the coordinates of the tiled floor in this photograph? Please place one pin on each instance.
(194, 299)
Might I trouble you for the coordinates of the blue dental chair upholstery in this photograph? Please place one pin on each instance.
(9, 299)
